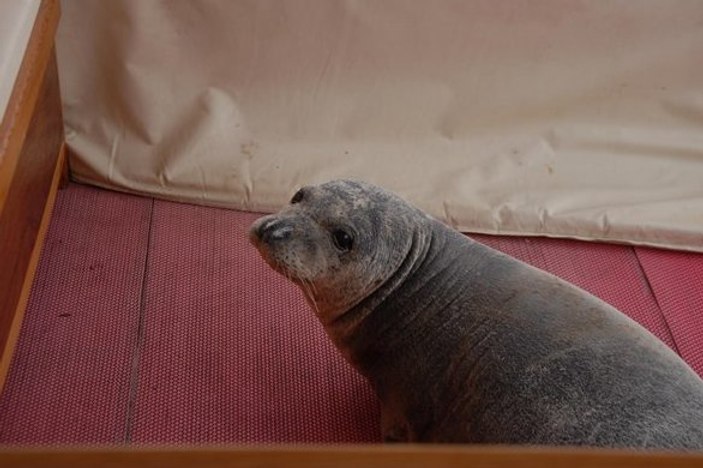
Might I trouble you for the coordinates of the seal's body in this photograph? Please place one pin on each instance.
(465, 344)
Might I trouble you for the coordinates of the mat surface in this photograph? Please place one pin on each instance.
(156, 322)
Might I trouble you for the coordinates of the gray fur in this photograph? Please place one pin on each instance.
(465, 344)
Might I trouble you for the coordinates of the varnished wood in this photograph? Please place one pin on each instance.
(27, 206)
(65, 168)
(28, 85)
(15, 325)
(400, 456)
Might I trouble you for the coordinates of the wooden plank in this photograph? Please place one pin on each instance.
(349, 456)
(27, 208)
(16, 323)
(65, 168)
(31, 138)
(27, 89)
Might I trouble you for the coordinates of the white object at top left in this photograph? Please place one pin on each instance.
(16, 21)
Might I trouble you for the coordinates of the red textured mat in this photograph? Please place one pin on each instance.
(70, 379)
(211, 346)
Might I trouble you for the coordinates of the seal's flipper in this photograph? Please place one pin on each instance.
(393, 427)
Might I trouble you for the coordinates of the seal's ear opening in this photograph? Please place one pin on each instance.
(297, 197)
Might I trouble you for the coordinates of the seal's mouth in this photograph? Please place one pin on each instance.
(271, 259)
(254, 238)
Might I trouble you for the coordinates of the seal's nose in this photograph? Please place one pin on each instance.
(274, 230)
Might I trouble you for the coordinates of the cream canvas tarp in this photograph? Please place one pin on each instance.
(565, 118)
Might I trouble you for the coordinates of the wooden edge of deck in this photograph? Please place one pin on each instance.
(343, 456)
(13, 334)
(25, 92)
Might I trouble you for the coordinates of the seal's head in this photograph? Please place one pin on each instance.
(338, 241)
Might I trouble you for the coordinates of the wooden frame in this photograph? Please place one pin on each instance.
(389, 456)
(31, 166)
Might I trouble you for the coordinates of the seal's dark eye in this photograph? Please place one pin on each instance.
(297, 198)
(342, 240)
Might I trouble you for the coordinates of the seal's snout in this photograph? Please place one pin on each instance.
(271, 230)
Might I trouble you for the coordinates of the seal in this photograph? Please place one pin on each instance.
(465, 344)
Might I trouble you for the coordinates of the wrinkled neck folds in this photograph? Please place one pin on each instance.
(413, 255)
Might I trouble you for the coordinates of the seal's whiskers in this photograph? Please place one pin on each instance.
(309, 287)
